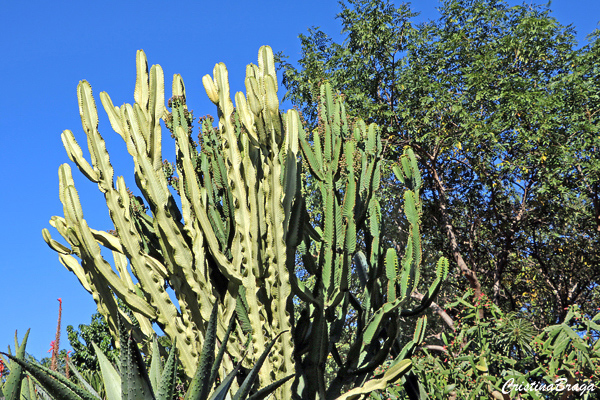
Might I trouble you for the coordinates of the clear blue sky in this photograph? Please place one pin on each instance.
(48, 47)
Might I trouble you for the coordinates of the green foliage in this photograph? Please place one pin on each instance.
(84, 356)
(501, 109)
(368, 61)
(483, 354)
(84, 342)
(61, 362)
(478, 355)
(570, 350)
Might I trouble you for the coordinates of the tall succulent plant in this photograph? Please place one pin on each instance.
(343, 160)
(243, 229)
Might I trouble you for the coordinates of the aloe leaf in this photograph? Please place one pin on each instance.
(82, 380)
(54, 383)
(155, 365)
(223, 347)
(166, 386)
(222, 390)
(12, 384)
(28, 388)
(267, 390)
(245, 387)
(31, 382)
(25, 388)
(110, 376)
(134, 372)
(199, 388)
(42, 393)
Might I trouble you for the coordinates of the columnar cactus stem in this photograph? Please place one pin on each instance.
(243, 228)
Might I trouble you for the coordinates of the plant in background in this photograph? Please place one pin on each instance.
(58, 360)
(501, 106)
(482, 354)
(569, 351)
(81, 339)
(17, 382)
(485, 346)
(61, 361)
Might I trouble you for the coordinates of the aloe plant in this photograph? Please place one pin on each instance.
(133, 381)
(243, 228)
(11, 388)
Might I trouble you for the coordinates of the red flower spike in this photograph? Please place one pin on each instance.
(56, 341)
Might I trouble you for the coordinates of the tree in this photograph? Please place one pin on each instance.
(502, 111)
(98, 332)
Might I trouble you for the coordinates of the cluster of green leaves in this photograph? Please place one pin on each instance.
(502, 109)
(570, 349)
(481, 355)
(81, 339)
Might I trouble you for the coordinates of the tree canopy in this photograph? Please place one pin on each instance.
(501, 106)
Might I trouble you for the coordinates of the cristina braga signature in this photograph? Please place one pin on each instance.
(559, 385)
